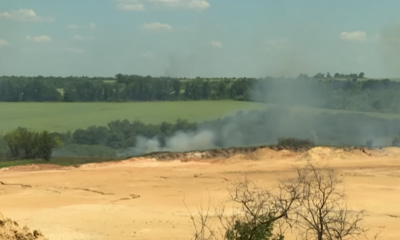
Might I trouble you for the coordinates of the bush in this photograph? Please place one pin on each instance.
(310, 203)
(27, 144)
(256, 211)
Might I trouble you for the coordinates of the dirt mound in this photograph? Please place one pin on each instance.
(36, 167)
(267, 153)
(141, 163)
(318, 154)
(10, 230)
(391, 151)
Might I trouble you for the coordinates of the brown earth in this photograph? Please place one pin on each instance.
(145, 198)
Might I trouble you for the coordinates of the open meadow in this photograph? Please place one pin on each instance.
(62, 117)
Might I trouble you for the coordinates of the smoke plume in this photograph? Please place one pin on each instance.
(252, 128)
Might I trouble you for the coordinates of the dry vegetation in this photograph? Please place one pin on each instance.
(310, 203)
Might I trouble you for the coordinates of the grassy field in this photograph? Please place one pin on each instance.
(71, 116)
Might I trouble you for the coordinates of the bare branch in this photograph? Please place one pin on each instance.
(310, 203)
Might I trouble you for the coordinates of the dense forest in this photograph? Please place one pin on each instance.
(346, 92)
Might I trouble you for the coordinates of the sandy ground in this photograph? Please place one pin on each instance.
(145, 199)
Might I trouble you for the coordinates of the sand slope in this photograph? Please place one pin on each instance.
(145, 199)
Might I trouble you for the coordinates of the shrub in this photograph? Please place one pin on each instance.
(27, 144)
(310, 203)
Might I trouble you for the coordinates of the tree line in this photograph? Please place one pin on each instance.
(337, 75)
(318, 91)
(121, 89)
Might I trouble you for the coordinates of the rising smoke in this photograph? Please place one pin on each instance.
(265, 127)
(256, 127)
(179, 142)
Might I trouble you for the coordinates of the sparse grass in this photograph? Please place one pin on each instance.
(62, 161)
(62, 117)
(12, 163)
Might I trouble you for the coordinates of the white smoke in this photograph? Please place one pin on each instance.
(179, 142)
(190, 141)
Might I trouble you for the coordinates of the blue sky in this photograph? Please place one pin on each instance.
(199, 37)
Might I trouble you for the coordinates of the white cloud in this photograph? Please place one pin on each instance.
(23, 15)
(75, 50)
(157, 26)
(199, 4)
(89, 26)
(130, 7)
(42, 38)
(356, 36)
(3, 42)
(216, 44)
(148, 55)
(141, 5)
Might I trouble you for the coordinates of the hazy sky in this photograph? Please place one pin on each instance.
(199, 37)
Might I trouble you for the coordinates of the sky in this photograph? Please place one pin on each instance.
(207, 38)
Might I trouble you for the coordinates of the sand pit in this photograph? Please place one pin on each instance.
(144, 198)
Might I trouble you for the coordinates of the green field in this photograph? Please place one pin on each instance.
(71, 116)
